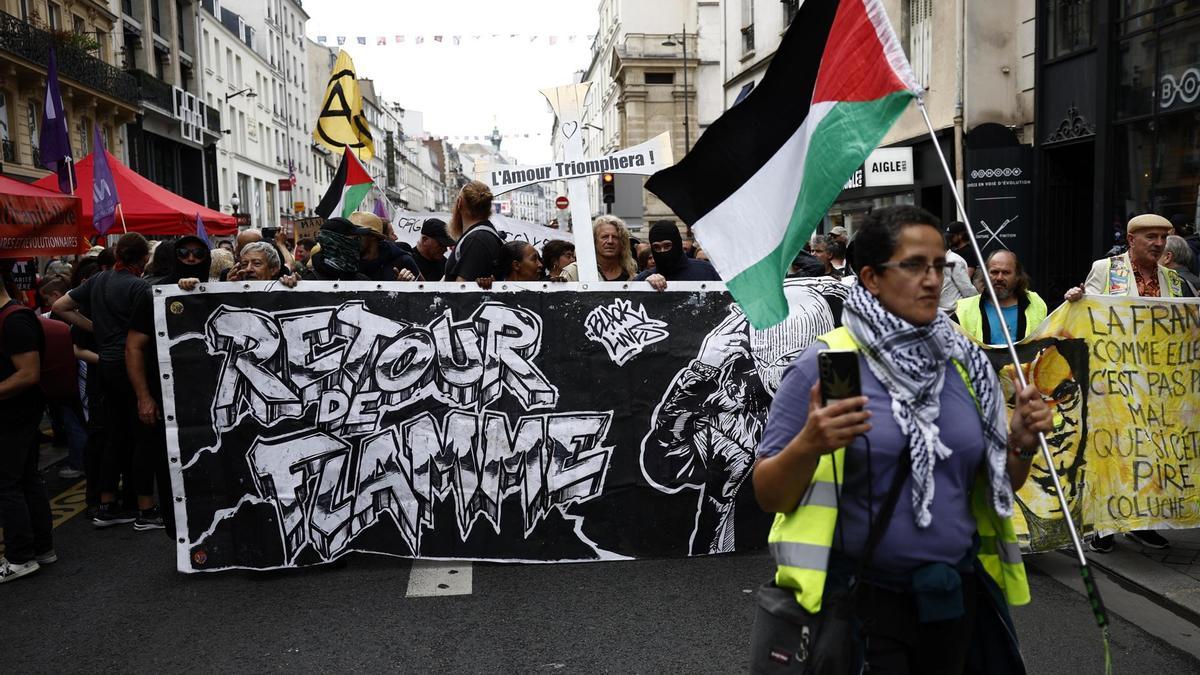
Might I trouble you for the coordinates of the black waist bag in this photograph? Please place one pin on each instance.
(789, 639)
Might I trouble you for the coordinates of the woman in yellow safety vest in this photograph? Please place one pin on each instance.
(934, 598)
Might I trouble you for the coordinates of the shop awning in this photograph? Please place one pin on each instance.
(148, 208)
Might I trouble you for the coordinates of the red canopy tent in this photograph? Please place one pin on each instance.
(148, 207)
(35, 221)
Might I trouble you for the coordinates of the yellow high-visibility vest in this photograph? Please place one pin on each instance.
(970, 316)
(800, 541)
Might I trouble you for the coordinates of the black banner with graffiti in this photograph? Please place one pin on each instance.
(533, 423)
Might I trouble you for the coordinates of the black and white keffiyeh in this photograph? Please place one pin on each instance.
(910, 361)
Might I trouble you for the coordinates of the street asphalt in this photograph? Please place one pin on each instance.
(115, 603)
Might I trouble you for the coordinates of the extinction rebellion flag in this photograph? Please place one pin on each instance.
(349, 187)
(757, 183)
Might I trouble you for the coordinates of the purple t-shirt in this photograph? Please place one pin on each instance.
(905, 546)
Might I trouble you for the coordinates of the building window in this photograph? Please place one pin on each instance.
(920, 38)
(747, 26)
(31, 121)
(54, 15)
(790, 7)
(78, 25)
(660, 78)
(1136, 76)
(156, 16)
(179, 21)
(1069, 26)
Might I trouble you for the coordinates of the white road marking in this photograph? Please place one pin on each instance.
(438, 577)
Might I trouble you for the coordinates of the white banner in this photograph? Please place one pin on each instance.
(407, 225)
(643, 160)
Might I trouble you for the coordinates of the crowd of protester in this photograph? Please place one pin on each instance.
(112, 427)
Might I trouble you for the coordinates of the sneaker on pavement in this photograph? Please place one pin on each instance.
(46, 558)
(1148, 538)
(1101, 544)
(109, 516)
(149, 519)
(68, 472)
(10, 571)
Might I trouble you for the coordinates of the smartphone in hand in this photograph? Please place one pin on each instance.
(839, 374)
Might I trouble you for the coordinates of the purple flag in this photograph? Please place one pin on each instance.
(55, 143)
(201, 232)
(104, 189)
(380, 209)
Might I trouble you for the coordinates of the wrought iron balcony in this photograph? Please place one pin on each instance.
(155, 91)
(33, 44)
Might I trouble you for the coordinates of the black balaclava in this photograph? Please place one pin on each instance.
(177, 269)
(673, 260)
(339, 256)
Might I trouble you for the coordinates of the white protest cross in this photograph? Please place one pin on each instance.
(644, 160)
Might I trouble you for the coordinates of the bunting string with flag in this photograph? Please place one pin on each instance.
(341, 121)
(760, 179)
(552, 40)
(54, 143)
(349, 187)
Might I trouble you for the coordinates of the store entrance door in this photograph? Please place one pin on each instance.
(1063, 245)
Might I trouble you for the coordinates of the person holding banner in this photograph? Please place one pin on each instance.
(1136, 273)
(477, 254)
(670, 260)
(614, 255)
(524, 263)
(930, 429)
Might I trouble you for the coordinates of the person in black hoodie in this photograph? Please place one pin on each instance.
(338, 256)
(381, 259)
(670, 261)
(187, 266)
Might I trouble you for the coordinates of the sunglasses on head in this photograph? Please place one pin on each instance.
(185, 251)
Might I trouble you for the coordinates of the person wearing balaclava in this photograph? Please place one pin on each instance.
(188, 264)
(336, 255)
(671, 262)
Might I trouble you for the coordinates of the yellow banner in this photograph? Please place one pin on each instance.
(341, 121)
(1122, 376)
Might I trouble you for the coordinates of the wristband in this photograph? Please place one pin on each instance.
(704, 370)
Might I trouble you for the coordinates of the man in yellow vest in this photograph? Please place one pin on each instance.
(1022, 309)
(1135, 273)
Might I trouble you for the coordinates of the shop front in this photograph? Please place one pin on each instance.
(1118, 101)
(1156, 133)
(904, 173)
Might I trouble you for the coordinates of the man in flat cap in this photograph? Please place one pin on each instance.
(1137, 272)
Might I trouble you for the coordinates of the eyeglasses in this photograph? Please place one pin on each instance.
(919, 268)
(185, 251)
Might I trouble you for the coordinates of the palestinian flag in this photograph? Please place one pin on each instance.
(763, 175)
(350, 185)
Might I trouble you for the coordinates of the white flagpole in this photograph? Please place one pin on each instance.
(1098, 609)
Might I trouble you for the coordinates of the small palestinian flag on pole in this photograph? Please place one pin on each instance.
(350, 185)
(757, 183)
